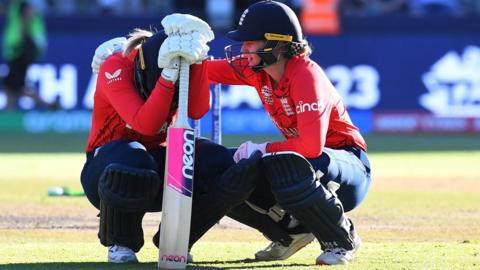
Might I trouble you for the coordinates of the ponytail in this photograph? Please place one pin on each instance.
(135, 38)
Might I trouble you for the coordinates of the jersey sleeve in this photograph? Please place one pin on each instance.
(219, 71)
(115, 79)
(313, 107)
(199, 91)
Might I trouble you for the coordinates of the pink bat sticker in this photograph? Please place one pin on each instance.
(181, 155)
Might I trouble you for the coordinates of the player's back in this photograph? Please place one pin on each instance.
(115, 87)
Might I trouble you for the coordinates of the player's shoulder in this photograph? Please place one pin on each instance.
(302, 62)
(116, 69)
(115, 62)
(302, 68)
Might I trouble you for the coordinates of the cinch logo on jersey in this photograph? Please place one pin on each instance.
(174, 258)
(113, 77)
(308, 107)
(188, 150)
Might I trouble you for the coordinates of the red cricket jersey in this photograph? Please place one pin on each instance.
(305, 106)
(120, 113)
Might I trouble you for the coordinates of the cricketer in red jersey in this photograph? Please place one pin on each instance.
(321, 169)
(121, 113)
(134, 103)
(304, 105)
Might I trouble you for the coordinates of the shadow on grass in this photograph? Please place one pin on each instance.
(244, 264)
(235, 264)
(75, 266)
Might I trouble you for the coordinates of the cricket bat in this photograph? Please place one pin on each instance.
(178, 184)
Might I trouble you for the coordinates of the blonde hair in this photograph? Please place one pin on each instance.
(297, 48)
(135, 38)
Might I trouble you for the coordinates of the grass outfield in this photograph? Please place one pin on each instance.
(232, 255)
(54, 143)
(423, 212)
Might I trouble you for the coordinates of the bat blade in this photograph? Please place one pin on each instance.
(177, 198)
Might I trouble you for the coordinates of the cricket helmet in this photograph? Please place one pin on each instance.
(147, 71)
(267, 18)
(273, 22)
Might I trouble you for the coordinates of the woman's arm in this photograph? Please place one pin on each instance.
(115, 81)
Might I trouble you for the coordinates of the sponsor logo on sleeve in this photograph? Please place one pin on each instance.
(115, 77)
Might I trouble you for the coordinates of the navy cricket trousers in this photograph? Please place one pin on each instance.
(350, 169)
(211, 160)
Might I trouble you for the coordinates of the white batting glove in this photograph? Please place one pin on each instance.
(170, 73)
(187, 37)
(184, 23)
(105, 50)
(247, 148)
(192, 47)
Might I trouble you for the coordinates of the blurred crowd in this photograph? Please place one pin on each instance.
(24, 37)
(411, 7)
(230, 8)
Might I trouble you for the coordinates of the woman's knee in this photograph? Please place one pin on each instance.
(211, 158)
(352, 196)
(128, 153)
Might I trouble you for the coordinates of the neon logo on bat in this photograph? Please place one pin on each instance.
(180, 161)
(174, 258)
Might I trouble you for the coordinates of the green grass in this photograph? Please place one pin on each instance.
(423, 212)
(55, 143)
(430, 166)
(228, 255)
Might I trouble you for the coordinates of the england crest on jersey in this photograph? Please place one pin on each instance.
(267, 95)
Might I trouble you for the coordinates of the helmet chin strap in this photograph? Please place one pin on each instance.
(259, 67)
(269, 54)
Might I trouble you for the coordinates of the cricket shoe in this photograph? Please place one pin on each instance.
(276, 251)
(337, 256)
(119, 254)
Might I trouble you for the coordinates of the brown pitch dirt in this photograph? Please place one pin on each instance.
(406, 220)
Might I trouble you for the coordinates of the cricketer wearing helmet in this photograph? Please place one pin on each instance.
(134, 103)
(321, 169)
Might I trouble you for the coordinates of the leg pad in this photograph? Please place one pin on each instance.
(297, 190)
(121, 228)
(127, 188)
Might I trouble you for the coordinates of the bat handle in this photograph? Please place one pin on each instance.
(182, 117)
